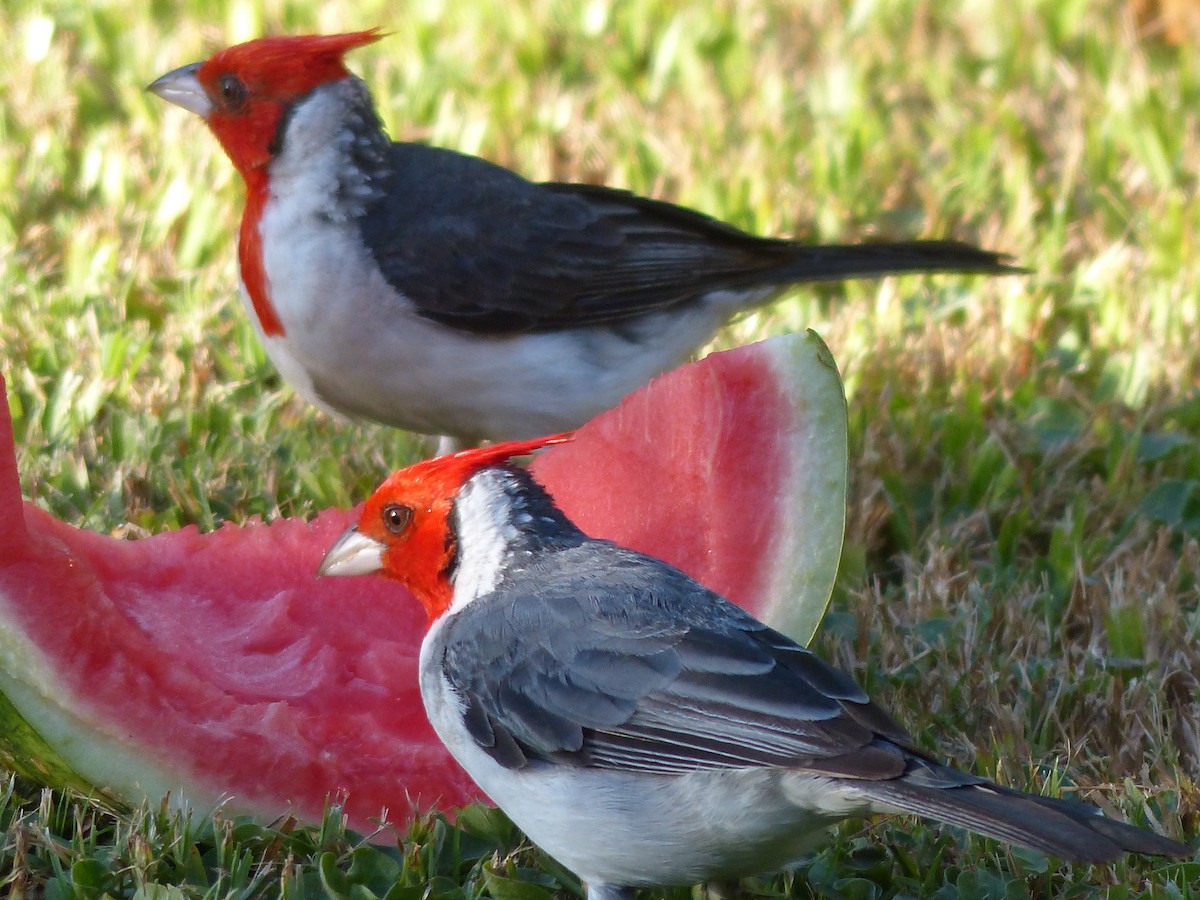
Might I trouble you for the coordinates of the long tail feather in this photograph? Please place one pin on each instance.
(838, 261)
(1064, 828)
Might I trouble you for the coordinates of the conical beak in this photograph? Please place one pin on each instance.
(182, 88)
(353, 554)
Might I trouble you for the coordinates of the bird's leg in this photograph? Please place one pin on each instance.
(602, 890)
(722, 889)
(447, 444)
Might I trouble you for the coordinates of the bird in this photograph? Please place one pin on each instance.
(638, 727)
(444, 294)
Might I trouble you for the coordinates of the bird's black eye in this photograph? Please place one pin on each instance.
(233, 92)
(396, 517)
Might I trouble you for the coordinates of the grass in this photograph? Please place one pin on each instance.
(1020, 583)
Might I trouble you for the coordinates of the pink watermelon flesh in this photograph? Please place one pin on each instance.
(217, 667)
(732, 468)
(222, 659)
(721, 416)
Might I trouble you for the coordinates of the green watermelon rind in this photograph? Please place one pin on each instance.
(65, 742)
(23, 750)
(806, 558)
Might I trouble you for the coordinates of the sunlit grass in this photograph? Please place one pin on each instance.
(1021, 578)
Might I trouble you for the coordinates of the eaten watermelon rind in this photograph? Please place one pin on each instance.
(809, 550)
(23, 750)
(63, 745)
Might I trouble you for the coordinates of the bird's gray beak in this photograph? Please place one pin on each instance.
(353, 554)
(182, 88)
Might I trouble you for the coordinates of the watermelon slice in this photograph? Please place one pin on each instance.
(732, 468)
(218, 668)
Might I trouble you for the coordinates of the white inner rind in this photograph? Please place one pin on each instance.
(80, 743)
(805, 557)
(91, 754)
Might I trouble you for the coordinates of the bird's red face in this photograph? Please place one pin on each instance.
(243, 92)
(404, 531)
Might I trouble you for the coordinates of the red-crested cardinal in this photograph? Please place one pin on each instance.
(638, 727)
(443, 294)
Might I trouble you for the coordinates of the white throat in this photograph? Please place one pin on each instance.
(319, 169)
(487, 536)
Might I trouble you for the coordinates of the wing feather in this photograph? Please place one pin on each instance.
(670, 680)
(477, 247)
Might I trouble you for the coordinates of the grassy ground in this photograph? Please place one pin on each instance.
(1021, 579)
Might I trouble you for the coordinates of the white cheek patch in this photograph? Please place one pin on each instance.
(315, 168)
(486, 536)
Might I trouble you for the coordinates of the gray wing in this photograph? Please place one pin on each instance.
(476, 246)
(637, 683)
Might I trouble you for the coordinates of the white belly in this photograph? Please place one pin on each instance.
(353, 345)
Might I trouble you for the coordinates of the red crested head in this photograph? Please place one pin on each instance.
(280, 69)
(243, 92)
(404, 531)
